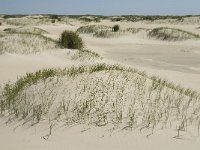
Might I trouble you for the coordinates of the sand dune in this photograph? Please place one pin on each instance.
(177, 61)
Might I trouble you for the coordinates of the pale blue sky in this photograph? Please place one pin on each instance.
(101, 7)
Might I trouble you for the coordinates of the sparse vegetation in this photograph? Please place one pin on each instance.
(92, 28)
(136, 30)
(101, 95)
(107, 34)
(172, 34)
(31, 30)
(71, 40)
(86, 54)
(25, 43)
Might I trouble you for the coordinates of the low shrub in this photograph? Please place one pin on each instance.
(97, 19)
(71, 40)
(116, 28)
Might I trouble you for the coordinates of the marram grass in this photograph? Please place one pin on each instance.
(101, 95)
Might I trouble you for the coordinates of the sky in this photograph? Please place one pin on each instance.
(101, 7)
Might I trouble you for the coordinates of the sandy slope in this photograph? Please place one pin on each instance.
(177, 61)
(84, 138)
(13, 65)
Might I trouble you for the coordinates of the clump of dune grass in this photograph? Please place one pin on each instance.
(30, 30)
(25, 43)
(92, 28)
(101, 95)
(171, 34)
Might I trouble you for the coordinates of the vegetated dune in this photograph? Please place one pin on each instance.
(171, 34)
(92, 28)
(136, 30)
(101, 95)
(33, 30)
(108, 34)
(102, 31)
(24, 43)
(99, 31)
(28, 20)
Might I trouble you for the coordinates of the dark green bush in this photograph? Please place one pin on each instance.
(71, 40)
(116, 19)
(116, 28)
(0, 23)
(97, 19)
(53, 21)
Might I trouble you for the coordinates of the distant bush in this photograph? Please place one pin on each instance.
(53, 17)
(71, 40)
(59, 19)
(116, 19)
(53, 21)
(97, 19)
(116, 28)
(85, 19)
(13, 16)
(0, 23)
